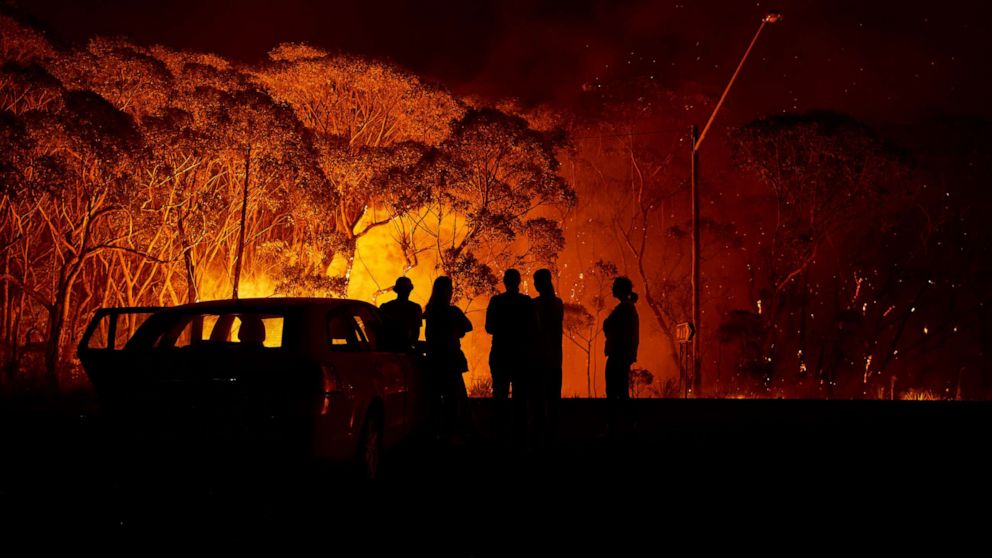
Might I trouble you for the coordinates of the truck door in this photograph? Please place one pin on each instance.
(103, 349)
(389, 368)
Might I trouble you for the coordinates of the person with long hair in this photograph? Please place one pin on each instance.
(550, 313)
(446, 324)
(621, 329)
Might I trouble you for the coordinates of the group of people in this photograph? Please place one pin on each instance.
(526, 356)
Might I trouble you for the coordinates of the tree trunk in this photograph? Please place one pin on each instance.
(5, 325)
(191, 292)
(13, 365)
(589, 347)
(56, 323)
(58, 314)
(244, 217)
(349, 251)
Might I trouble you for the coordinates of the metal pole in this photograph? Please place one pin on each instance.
(694, 143)
(694, 366)
(723, 97)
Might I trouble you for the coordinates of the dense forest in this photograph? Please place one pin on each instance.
(839, 260)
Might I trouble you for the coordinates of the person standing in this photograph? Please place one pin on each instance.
(550, 312)
(402, 316)
(446, 324)
(621, 329)
(510, 320)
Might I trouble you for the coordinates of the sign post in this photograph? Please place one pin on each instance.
(684, 332)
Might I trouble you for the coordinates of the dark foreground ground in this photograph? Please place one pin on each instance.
(685, 462)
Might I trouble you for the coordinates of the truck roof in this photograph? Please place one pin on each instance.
(263, 304)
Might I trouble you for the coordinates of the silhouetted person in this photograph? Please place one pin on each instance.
(550, 314)
(251, 333)
(510, 319)
(402, 316)
(446, 324)
(621, 331)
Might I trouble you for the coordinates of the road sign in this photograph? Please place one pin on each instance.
(684, 332)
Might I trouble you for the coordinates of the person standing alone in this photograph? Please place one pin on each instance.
(621, 329)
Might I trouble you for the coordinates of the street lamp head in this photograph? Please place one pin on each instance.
(773, 17)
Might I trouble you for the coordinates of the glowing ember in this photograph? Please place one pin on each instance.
(867, 369)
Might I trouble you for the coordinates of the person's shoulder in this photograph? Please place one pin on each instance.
(388, 304)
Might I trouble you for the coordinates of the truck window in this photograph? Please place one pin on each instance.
(98, 339)
(370, 326)
(263, 330)
(120, 324)
(255, 328)
(344, 334)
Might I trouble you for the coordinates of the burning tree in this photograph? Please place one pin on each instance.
(367, 118)
(128, 76)
(137, 175)
(630, 166)
(831, 181)
(272, 175)
(78, 191)
(129, 175)
(582, 326)
(20, 43)
(485, 199)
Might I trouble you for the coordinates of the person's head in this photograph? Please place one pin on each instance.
(251, 331)
(542, 282)
(403, 287)
(511, 280)
(441, 292)
(623, 289)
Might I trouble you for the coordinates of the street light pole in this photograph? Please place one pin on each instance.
(694, 143)
(694, 365)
